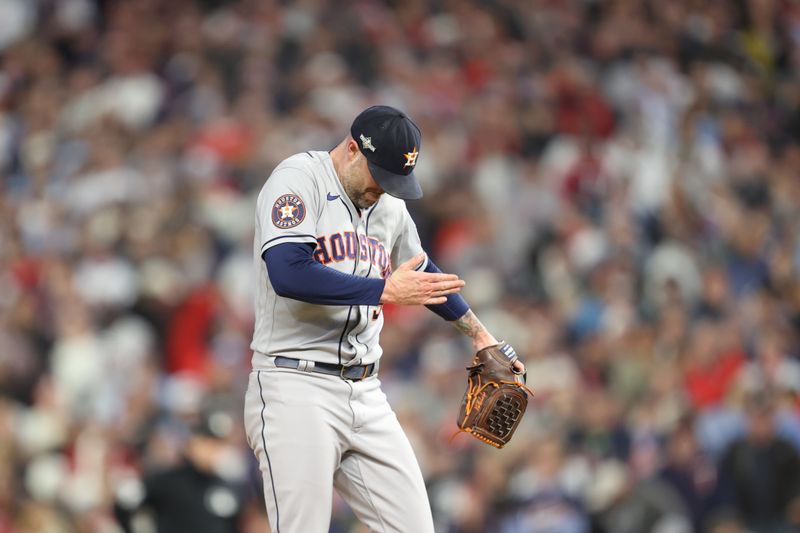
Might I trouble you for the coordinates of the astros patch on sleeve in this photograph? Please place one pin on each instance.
(288, 211)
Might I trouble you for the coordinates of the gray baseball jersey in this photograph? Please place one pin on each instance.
(303, 201)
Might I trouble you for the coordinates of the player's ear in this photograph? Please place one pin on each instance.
(352, 149)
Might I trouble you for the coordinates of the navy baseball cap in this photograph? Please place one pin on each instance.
(390, 141)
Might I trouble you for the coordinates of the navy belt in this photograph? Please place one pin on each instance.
(353, 373)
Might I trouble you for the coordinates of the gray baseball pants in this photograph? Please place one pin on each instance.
(312, 433)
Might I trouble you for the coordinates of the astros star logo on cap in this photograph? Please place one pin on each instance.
(411, 158)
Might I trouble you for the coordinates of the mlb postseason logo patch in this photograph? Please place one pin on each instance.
(288, 211)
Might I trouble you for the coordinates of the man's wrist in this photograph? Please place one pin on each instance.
(482, 340)
(384, 298)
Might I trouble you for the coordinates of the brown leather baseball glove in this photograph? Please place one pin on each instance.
(496, 396)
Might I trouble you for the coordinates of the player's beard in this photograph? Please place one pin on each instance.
(361, 199)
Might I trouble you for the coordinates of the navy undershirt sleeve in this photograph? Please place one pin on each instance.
(455, 306)
(295, 274)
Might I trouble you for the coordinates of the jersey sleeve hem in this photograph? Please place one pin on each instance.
(302, 239)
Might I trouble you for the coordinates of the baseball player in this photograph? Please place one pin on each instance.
(333, 243)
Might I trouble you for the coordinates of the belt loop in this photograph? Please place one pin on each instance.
(305, 366)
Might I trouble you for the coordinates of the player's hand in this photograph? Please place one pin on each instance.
(484, 339)
(408, 287)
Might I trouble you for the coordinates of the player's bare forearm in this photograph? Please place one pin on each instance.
(470, 326)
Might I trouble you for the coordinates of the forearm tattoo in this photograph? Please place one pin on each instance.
(469, 325)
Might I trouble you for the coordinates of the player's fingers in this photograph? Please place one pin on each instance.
(412, 263)
(436, 300)
(444, 285)
(434, 277)
(445, 292)
(455, 289)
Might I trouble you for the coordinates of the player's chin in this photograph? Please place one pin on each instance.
(367, 200)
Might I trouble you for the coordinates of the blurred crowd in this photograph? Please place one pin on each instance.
(618, 181)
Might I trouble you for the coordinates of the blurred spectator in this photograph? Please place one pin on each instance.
(546, 493)
(618, 502)
(598, 432)
(708, 372)
(759, 473)
(204, 493)
(691, 473)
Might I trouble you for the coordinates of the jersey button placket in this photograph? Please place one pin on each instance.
(365, 267)
(361, 263)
